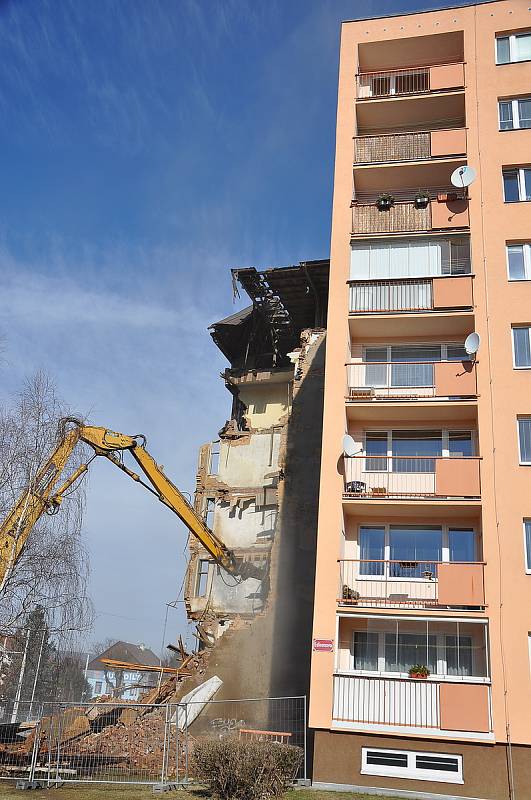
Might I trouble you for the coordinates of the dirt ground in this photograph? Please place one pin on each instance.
(8, 792)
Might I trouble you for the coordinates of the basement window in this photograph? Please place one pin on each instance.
(412, 764)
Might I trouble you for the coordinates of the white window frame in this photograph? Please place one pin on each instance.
(526, 250)
(445, 549)
(512, 48)
(442, 663)
(518, 419)
(516, 113)
(445, 436)
(519, 327)
(411, 771)
(527, 554)
(521, 184)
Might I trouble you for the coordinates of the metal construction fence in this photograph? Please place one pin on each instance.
(134, 743)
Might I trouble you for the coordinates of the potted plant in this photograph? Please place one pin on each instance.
(419, 671)
(350, 595)
(422, 199)
(384, 201)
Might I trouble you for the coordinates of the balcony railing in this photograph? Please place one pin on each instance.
(411, 583)
(372, 477)
(414, 379)
(413, 146)
(420, 80)
(410, 294)
(435, 705)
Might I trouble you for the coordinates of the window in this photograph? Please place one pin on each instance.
(519, 261)
(521, 347)
(517, 184)
(515, 114)
(527, 545)
(202, 578)
(414, 451)
(210, 509)
(412, 551)
(215, 449)
(524, 439)
(513, 48)
(97, 687)
(412, 764)
(410, 258)
(392, 646)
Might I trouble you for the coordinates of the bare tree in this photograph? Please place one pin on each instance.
(53, 569)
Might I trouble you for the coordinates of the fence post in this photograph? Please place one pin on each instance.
(165, 747)
(305, 739)
(59, 737)
(186, 742)
(35, 751)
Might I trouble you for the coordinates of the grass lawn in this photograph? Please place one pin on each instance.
(82, 792)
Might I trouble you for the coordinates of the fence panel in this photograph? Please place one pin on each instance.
(134, 743)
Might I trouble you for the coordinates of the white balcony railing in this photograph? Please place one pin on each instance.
(401, 294)
(393, 82)
(411, 476)
(410, 379)
(408, 703)
(409, 583)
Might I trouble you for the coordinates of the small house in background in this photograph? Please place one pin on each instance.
(123, 684)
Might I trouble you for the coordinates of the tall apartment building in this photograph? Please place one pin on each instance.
(424, 535)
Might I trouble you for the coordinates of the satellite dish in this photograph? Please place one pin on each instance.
(472, 343)
(463, 176)
(349, 445)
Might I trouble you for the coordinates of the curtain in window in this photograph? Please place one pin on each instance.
(524, 430)
(365, 647)
(412, 450)
(411, 374)
(523, 47)
(522, 350)
(524, 113)
(528, 543)
(516, 262)
(372, 551)
(407, 649)
(458, 655)
(376, 373)
(376, 451)
(460, 444)
(506, 116)
(414, 550)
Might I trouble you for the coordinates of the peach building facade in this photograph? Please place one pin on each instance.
(421, 675)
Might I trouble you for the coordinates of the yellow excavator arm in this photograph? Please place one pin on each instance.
(43, 496)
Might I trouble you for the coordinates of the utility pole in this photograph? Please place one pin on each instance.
(20, 679)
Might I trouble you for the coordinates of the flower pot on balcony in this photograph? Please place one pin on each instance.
(350, 595)
(419, 672)
(421, 200)
(384, 202)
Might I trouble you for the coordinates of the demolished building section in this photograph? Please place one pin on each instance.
(241, 476)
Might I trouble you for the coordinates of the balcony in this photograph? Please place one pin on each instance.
(428, 707)
(402, 82)
(410, 584)
(413, 380)
(415, 146)
(419, 478)
(411, 294)
(445, 213)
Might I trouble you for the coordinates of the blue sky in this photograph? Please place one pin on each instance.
(147, 146)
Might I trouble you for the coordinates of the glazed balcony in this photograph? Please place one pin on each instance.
(410, 584)
(413, 380)
(412, 81)
(414, 477)
(414, 146)
(411, 294)
(447, 212)
(427, 707)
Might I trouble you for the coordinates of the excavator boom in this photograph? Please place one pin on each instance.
(42, 495)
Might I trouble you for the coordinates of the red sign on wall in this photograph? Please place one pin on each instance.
(323, 645)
